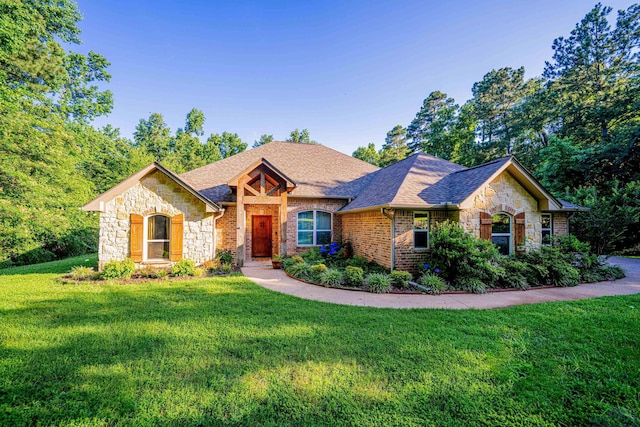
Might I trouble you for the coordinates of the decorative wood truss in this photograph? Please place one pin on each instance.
(260, 184)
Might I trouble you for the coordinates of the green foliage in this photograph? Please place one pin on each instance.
(367, 154)
(331, 278)
(319, 268)
(430, 131)
(401, 278)
(264, 139)
(471, 284)
(512, 273)
(297, 259)
(354, 275)
(313, 255)
(378, 283)
(358, 261)
(395, 147)
(226, 268)
(301, 271)
(224, 256)
(80, 272)
(300, 136)
(184, 267)
(462, 256)
(118, 269)
(435, 284)
(549, 266)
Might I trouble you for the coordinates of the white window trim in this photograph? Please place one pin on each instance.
(146, 241)
(550, 229)
(420, 230)
(314, 230)
(509, 234)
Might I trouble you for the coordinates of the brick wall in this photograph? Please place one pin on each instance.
(295, 205)
(370, 235)
(407, 258)
(560, 224)
(270, 210)
(226, 231)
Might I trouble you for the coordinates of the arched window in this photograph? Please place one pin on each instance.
(314, 228)
(501, 232)
(158, 237)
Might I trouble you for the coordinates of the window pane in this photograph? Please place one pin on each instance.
(157, 250)
(158, 228)
(546, 221)
(323, 221)
(305, 237)
(421, 220)
(420, 239)
(502, 242)
(323, 237)
(546, 237)
(501, 223)
(305, 220)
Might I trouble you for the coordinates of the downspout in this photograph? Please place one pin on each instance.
(215, 219)
(392, 217)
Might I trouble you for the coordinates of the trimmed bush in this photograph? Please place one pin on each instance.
(118, 269)
(161, 273)
(331, 278)
(82, 273)
(358, 261)
(378, 283)
(184, 267)
(319, 268)
(511, 273)
(401, 278)
(354, 275)
(548, 266)
(435, 284)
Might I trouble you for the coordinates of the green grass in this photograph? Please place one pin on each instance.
(222, 351)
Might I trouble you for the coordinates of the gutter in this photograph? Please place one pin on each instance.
(392, 217)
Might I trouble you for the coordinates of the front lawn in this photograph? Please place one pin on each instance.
(223, 351)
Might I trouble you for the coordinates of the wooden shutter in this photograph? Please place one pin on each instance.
(137, 237)
(520, 232)
(485, 226)
(176, 238)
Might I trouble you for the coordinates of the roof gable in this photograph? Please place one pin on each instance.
(99, 202)
(316, 170)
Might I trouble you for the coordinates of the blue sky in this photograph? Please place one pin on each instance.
(348, 71)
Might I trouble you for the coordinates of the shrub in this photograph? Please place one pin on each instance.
(301, 271)
(184, 267)
(226, 268)
(118, 269)
(378, 283)
(358, 261)
(161, 273)
(331, 278)
(312, 256)
(471, 284)
(435, 284)
(401, 278)
(610, 272)
(225, 256)
(511, 273)
(461, 255)
(319, 268)
(354, 275)
(82, 273)
(548, 266)
(34, 256)
(297, 259)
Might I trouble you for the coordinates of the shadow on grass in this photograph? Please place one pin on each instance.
(223, 351)
(53, 267)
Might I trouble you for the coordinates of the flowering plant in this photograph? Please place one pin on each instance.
(330, 250)
(426, 268)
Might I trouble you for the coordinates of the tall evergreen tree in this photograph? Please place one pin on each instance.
(264, 139)
(395, 147)
(367, 154)
(429, 130)
(153, 135)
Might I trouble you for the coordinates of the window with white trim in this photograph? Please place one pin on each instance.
(547, 229)
(314, 228)
(501, 232)
(421, 230)
(157, 237)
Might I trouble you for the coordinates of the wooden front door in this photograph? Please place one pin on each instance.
(261, 236)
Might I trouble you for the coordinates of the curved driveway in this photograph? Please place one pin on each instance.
(262, 274)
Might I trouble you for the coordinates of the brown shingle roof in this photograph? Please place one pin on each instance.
(318, 171)
(405, 182)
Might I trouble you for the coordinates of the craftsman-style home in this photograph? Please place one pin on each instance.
(282, 198)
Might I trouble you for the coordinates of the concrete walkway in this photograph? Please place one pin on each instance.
(261, 273)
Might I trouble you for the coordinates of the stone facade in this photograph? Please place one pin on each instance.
(369, 234)
(155, 194)
(505, 194)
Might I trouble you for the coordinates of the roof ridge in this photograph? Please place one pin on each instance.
(491, 162)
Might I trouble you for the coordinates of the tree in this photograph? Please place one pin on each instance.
(301, 136)
(593, 77)
(395, 147)
(429, 130)
(367, 154)
(227, 144)
(264, 139)
(154, 136)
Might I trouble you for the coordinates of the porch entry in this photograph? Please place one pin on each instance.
(261, 236)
